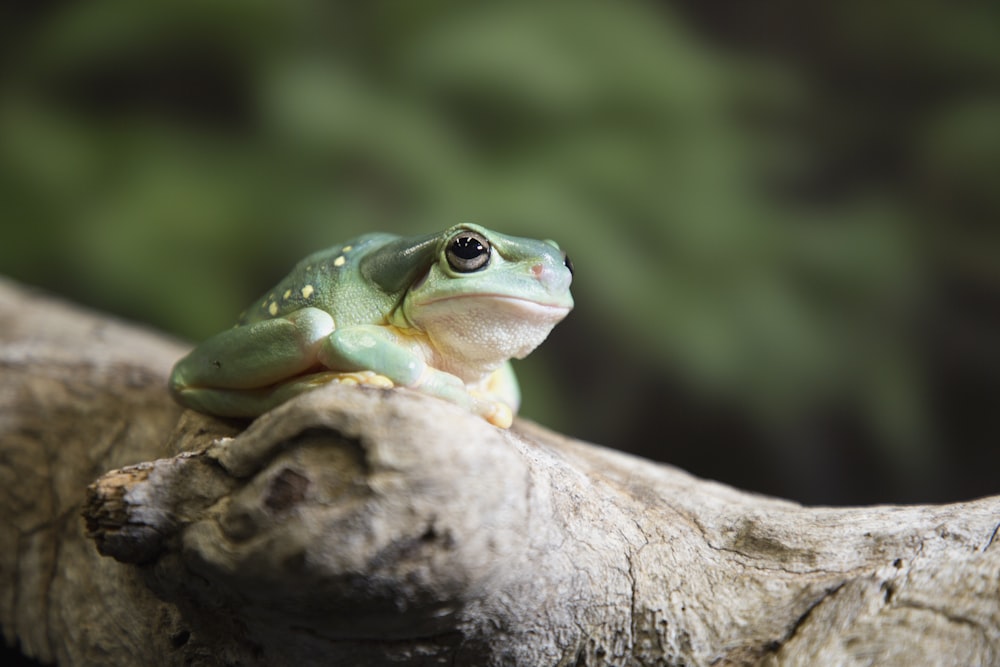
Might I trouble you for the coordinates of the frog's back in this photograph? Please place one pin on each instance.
(330, 280)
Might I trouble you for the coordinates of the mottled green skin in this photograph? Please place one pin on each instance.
(342, 291)
(387, 310)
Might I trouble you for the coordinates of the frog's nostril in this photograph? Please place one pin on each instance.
(551, 277)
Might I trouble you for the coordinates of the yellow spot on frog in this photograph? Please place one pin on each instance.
(273, 308)
(339, 261)
(287, 294)
(307, 291)
(348, 248)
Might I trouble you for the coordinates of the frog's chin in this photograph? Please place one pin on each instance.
(475, 334)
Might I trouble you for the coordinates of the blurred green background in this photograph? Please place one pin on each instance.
(783, 215)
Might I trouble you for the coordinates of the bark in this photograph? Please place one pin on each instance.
(359, 526)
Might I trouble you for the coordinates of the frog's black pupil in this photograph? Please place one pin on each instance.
(467, 247)
(569, 263)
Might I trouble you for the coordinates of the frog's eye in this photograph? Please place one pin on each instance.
(468, 252)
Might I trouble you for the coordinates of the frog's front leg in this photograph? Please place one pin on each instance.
(234, 373)
(382, 350)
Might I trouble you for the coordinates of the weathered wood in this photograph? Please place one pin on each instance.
(360, 526)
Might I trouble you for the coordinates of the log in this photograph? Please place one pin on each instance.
(360, 526)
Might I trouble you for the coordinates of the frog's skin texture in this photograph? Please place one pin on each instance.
(441, 314)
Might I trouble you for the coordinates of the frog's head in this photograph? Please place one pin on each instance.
(488, 297)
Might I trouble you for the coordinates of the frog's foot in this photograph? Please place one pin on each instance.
(501, 416)
(287, 390)
(495, 412)
(364, 378)
(368, 378)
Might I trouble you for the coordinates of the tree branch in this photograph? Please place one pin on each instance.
(361, 526)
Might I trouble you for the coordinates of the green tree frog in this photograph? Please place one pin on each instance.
(442, 314)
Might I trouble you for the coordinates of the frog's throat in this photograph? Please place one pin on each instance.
(471, 337)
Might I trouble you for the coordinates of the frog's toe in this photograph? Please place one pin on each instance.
(380, 381)
(495, 412)
(501, 416)
(365, 378)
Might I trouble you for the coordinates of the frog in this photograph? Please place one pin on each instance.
(442, 314)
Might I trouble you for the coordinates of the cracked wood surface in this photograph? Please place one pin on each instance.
(358, 526)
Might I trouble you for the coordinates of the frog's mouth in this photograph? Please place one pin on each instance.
(504, 301)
